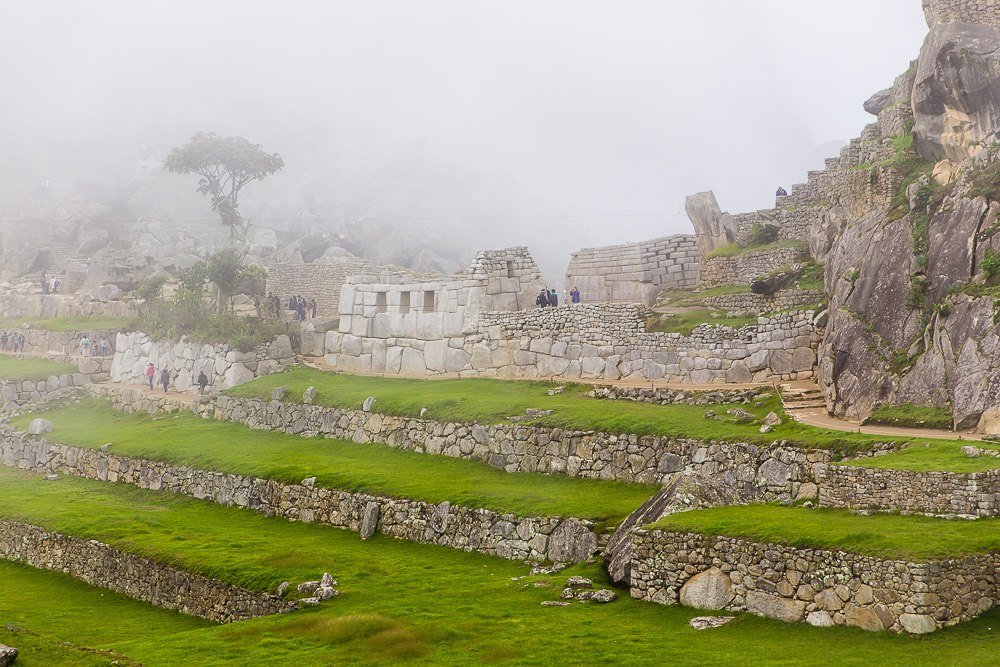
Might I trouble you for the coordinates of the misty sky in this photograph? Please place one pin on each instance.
(465, 108)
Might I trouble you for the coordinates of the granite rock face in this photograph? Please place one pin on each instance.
(714, 228)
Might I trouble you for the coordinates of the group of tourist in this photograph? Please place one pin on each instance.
(549, 299)
(13, 342)
(165, 378)
(304, 310)
(49, 283)
(89, 348)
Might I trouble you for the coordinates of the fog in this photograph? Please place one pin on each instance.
(556, 124)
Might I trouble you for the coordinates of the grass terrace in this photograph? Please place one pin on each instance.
(71, 323)
(206, 444)
(401, 603)
(490, 401)
(915, 416)
(686, 322)
(915, 538)
(14, 369)
(937, 456)
(735, 249)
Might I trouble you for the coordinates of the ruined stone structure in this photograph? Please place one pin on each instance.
(141, 578)
(588, 341)
(744, 268)
(634, 272)
(319, 280)
(818, 586)
(37, 306)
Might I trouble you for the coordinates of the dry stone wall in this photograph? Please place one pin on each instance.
(634, 272)
(22, 392)
(986, 12)
(42, 342)
(500, 534)
(743, 269)
(36, 306)
(590, 341)
(766, 303)
(319, 280)
(140, 578)
(818, 586)
(223, 366)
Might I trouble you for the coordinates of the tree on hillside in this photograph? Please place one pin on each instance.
(225, 165)
(227, 271)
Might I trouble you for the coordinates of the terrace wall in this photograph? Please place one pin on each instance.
(319, 280)
(773, 472)
(38, 306)
(818, 586)
(766, 303)
(104, 566)
(15, 394)
(494, 533)
(42, 342)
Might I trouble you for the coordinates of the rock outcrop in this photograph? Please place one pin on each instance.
(713, 227)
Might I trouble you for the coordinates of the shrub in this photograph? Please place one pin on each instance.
(763, 234)
(991, 264)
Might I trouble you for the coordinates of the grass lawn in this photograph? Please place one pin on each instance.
(31, 368)
(885, 535)
(72, 323)
(735, 249)
(916, 416)
(939, 456)
(688, 298)
(185, 439)
(490, 401)
(685, 323)
(403, 603)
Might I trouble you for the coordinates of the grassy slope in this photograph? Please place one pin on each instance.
(72, 323)
(489, 401)
(885, 535)
(939, 456)
(685, 323)
(404, 603)
(59, 606)
(30, 368)
(378, 469)
(917, 416)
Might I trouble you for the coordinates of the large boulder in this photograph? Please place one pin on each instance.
(775, 282)
(956, 97)
(39, 426)
(713, 228)
(711, 589)
(8, 654)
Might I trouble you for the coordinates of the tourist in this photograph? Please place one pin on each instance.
(781, 192)
(542, 300)
(202, 382)
(104, 346)
(85, 347)
(574, 296)
(312, 308)
(3, 341)
(45, 283)
(53, 284)
(21, 336)
(150, 372)
(553, 299)
(165, 379)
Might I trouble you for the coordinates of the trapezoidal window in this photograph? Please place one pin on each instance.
(428, 302)
(381, 305)
(404, 302)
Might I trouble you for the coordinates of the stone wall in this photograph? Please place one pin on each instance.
(22, 392)
(766, 303)
(819, 586)
(775, 471)
(41, 342)
(319, 280)
(938, 493)
(506, 535)
(37, 306)
(224, 367)
(742, 269)
(634, 272)
(986, 12)
(590, 341)
(104, 566)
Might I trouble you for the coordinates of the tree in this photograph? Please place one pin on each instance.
(151, 290)
(226, 270)
(225, 165)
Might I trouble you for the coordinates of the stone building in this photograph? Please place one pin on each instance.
(634, 272)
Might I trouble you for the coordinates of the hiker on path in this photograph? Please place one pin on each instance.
(553, 299)
(165, 379)
(542, 300)
(150, 372)
(202, 382)
(104, 347)
(574, 296)
(85, 347)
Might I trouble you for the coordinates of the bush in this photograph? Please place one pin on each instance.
(763, 235)
(991, 264)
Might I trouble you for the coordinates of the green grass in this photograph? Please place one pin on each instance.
(685, 323)
(917, 416)
(207, 444)
(14, 369)
(937, 456)
(489, 401)
(688, 298)
(401, 603)
(72, 323)
(735, 249)
(890, 536)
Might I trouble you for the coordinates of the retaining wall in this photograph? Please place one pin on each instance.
(766, 303)
(15, 394)
(819, 586)
(42, 342)
(498, 534)
(38, 306)
(104, 566)
(986, 12)
(744, 268)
